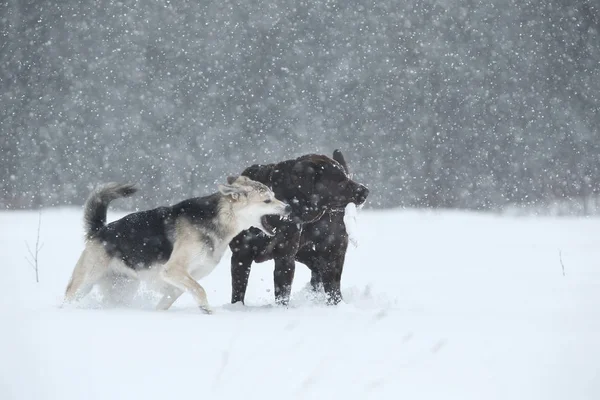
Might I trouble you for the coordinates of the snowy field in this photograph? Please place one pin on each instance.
(442, 305)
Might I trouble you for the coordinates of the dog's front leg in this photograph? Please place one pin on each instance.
(240, 271)
(283, 278)
(332, 275)
(175, 273)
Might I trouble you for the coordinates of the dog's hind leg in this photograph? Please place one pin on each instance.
(326, 272)
(316, 281)
(309, 258)
(77, 279)
(91, 266)
(170, 295)
(175, 274)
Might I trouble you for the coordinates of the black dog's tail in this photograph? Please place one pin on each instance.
(94, 216)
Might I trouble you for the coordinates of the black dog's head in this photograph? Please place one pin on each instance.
(311, 184)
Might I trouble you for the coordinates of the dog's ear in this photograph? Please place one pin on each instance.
(238, 180)
(259, 173)
(234, 191)
(339, 157)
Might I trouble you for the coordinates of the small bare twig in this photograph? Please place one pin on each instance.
(561, 261)
(33, 255)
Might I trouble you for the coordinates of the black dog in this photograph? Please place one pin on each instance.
(318, 189)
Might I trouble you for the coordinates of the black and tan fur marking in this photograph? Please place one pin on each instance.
(174, 245)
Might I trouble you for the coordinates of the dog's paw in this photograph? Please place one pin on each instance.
(282, 302)
(206, 309)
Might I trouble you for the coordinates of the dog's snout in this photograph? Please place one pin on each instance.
(361, 193)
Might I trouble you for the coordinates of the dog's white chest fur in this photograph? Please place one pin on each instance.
(204, 261)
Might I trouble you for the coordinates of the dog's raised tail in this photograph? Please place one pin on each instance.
(95, 208)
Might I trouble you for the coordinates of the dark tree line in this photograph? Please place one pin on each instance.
(436, 104)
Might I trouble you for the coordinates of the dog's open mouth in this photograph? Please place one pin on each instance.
(266, 226)
(269, 222)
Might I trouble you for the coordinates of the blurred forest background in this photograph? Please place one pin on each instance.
(458, 104)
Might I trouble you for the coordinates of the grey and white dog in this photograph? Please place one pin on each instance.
(173, 246)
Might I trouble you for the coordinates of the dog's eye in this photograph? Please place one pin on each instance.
(267, 201)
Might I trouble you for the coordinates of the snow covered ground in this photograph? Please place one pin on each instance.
(441, 305)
